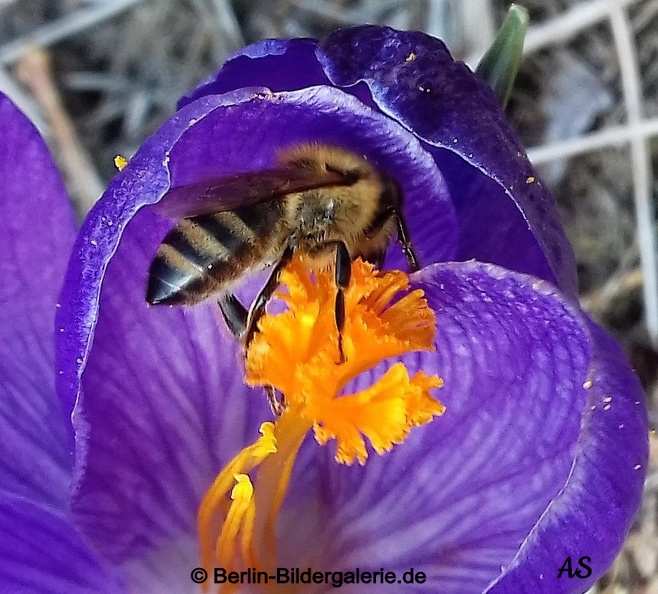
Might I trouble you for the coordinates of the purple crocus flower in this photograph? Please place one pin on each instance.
(542, 450)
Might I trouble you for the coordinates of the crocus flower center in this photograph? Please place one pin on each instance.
(297, 353)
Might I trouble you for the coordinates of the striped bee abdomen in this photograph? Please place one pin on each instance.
(201, 255)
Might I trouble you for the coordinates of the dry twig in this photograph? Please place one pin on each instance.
(85, 186)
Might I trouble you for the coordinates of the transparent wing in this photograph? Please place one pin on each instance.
(231, 192)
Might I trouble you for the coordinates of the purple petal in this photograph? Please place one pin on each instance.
(36, 233)
(506, 215)
(278, 64)
(170, 379)
(162, 409)
(518, 474)
(594, 511)
(42, 553)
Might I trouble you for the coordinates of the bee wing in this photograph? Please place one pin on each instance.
(231, 192)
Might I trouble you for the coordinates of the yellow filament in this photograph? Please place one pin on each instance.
(214, 498)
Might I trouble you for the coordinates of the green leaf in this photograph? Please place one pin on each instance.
(500, 63)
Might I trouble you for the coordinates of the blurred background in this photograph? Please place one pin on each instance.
(98, 76)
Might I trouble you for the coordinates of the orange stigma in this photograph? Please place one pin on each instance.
(296, 352)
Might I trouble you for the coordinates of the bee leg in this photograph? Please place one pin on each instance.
(276, 405)
(403, 238)
(257, 308)
(234, 313)
(379, 261)
(343, 272)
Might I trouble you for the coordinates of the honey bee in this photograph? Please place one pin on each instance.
(324, 203)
